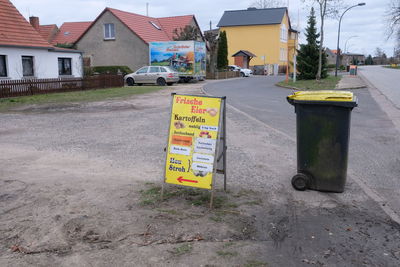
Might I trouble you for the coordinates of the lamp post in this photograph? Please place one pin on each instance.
(338, 37)
(345, 44)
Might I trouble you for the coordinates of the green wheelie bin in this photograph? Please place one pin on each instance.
(323, 131)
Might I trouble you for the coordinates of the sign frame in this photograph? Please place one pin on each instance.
(219, 156)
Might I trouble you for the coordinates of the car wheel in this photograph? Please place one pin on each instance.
(242, 74)
(169, 84)
(161, 82)
(130, 81)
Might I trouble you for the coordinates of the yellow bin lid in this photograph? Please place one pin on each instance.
(323, 95)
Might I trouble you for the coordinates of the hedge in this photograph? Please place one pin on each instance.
(112, 69)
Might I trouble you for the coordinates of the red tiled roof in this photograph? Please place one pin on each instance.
(46, 31)
(169, 24)
(15, 30)
(141, 25)
(149, 29)
(70, 32)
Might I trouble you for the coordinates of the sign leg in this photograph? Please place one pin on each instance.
(211, 199)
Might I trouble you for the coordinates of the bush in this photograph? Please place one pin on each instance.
(331, 66)
(112, 69)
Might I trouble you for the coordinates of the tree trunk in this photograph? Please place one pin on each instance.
(322, 13)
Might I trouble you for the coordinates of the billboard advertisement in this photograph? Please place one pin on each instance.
(186, 57)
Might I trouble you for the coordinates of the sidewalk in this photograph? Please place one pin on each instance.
(350, 82)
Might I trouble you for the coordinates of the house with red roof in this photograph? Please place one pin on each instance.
(25, 52)
(119, 38)
(69, 33)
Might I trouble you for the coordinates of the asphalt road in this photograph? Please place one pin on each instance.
(374, 156)
(386, 80)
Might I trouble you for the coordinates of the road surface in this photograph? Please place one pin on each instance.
(374, 156)
(386, 80)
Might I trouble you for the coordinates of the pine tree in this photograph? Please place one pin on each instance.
(222, 56)
(369, 60)
(308, 55)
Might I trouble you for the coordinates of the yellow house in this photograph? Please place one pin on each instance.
(259, 37)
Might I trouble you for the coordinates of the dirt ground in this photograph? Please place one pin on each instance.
(80, 184)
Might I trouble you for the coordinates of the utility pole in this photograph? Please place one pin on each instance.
(210, 26)
(147, 9)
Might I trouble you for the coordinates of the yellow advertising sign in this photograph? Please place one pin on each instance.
(192, 141)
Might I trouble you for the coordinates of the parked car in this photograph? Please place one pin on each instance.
(152, 74)
(243, 72)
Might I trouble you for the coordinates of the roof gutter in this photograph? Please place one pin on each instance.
(26, 46)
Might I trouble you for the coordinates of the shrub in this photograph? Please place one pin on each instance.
(112, 69)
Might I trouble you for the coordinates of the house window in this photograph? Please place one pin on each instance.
(284, 34)
(27, 66)
(64, 66)
(109, 31)
(3, 66)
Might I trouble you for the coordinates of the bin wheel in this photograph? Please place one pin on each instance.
(300, 182)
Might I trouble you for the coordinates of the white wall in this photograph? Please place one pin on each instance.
(45, 62)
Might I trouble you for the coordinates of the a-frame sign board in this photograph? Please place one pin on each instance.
(196, 147)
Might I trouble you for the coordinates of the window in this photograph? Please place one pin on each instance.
(284, 34)
(142, 70)
(109, 31)
(163, 70)
(64, 66)
(27, 66)
(3, 66)
(155, 25)
(154, 69)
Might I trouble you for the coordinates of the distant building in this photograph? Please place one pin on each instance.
(259, 36)
(119, 38)
(352, 58)
(330, 56)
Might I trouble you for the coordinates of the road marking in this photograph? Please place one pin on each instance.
(367, 190)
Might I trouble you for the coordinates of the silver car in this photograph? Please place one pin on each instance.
(159, 75)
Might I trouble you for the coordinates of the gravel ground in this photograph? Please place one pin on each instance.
(79, 186)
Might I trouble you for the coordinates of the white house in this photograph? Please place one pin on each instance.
(25, 54)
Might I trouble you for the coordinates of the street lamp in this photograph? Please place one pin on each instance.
(338, 37)
(345, 44)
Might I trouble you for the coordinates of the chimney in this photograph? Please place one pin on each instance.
(34, 21)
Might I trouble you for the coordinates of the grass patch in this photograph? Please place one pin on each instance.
(184, 249)
(393, 67)
(227, 253)
(328, 83)
(228, 244)
(253, 202)
(254, 263)
(78, 96)
(172, 212)
(150, 196)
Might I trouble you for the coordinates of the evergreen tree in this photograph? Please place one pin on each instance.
(222, 56)
(308, 55)
(369, 60)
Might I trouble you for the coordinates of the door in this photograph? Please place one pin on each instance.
(153, 74)
(140, 75)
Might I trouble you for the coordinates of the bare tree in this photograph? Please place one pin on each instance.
(393, 20)
(268, 3)
(327, 9)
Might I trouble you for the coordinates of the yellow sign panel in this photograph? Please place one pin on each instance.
(192, 140)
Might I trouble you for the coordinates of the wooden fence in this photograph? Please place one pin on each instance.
(222, 75)
(12, 88)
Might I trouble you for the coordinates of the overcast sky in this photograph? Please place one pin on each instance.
(362, 27)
